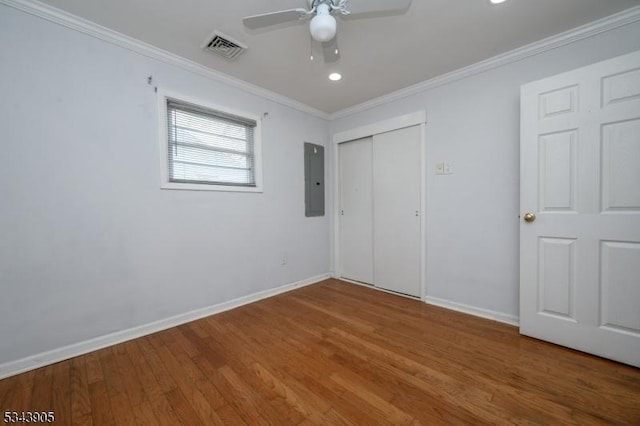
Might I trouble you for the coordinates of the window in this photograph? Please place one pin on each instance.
(209, 149)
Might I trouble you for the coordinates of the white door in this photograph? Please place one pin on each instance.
(580, 176)
(396, 207)
(356, 217)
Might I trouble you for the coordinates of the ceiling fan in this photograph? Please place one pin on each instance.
(323, 25)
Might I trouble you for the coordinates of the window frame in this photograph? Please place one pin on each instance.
(165, 183)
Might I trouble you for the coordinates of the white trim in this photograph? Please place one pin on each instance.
(473, 310)
(423, 211)
(84, 26)
(163, 95)
(418, 118)
(56, 355)
(443, 303)
(208, 187)
(336, 213)
(395, 123)
(591, 29)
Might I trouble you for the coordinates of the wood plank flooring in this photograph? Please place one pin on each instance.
(332, 353)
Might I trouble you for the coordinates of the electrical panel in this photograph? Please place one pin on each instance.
(313, 180)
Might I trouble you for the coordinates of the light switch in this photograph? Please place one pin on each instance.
(440, 168)
(448, 168)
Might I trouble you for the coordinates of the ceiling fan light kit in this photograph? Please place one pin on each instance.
(323, 26)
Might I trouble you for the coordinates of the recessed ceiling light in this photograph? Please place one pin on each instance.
(335, 76)
(497, 1)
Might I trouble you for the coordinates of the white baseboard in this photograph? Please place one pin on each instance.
(473, 310)
(444, 303)
(56, 355)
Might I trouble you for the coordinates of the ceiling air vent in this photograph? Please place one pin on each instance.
(223, 45)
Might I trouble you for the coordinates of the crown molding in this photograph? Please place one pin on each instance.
(76, 23)
(589, 30)
(84, 26)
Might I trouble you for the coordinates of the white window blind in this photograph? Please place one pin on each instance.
(209, 147)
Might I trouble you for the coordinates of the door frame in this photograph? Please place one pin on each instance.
(418, 118)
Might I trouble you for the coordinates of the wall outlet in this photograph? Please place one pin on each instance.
(285, 259)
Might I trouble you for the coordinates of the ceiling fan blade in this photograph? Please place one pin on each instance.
(330, 51)
(275, 18)
(368, 6)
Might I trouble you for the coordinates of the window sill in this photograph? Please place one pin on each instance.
(204, 187)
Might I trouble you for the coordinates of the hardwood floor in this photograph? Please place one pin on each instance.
(332, 353)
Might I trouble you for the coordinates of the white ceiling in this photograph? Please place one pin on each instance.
(379, 54)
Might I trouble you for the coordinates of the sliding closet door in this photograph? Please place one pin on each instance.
(396, 207)
(356, 218)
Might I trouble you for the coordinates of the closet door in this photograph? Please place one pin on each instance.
(356, 218)
(396, 210)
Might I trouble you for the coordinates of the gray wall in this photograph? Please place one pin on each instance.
(472, 215)
(89, 242)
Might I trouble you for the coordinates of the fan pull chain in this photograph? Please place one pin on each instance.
(310, 47)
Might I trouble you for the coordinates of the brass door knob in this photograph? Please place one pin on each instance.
(529, 217)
